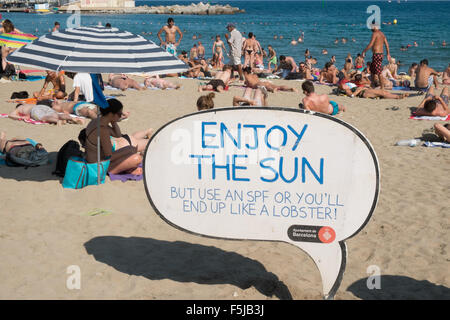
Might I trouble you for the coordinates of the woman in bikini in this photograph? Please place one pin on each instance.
(8, 145)
(249, 48)
(218, 48)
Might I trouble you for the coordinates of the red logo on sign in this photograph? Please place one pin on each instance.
(327, 234)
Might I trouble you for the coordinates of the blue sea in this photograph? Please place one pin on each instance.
(321, 22)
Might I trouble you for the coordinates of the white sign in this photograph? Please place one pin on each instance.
(266, 174)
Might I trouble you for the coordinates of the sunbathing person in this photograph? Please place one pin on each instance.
(59, 87)
(320, 103)
(446, 75)
(220, 81)
(364, 92)
(40, 112)
(157, 82)
(252, 97)
(329, 74)
(81, 109)
(252, 81)
(443, 131)
(434, 105)
(389, 81)
(425, 76)
(305, 72)
(21, 148)
(126, 159)
(123, 82)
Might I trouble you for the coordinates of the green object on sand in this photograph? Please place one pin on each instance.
(96, 212)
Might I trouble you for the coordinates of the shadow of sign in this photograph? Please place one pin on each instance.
(400, 288)
(185, 262)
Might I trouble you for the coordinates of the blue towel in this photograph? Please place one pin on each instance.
(99, 97)
(401, 88)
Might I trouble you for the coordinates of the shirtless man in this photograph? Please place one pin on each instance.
(43, 113)
(434, 105)
(123, 82)
(320, 103)
(329, 73)
(220, 81)
(252, 81)
(363, 92)
(200, 50)
(287, 65)
(426, 76)
(59, 87)
(377, 44)
(170, 42)
(305, 71)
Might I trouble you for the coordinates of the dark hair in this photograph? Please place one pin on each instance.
(430, 105)
(82, 137)
(108, 25)
(114, 106)
(308, 86)
(206, 102)
(8, 26)
(424, 61)
(250, 34)
(170, 20)
(328, 65)
(340, 75)
(247, 69)
(18, 105)
(413, 64)
(358, 77)
(57, 23)
(282, 58)
(46, 102)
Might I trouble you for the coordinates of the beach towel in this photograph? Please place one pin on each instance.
(447, 118)
(24, 101)
(30, 78)
(436, 144)
(126, 176)
(401, 88)
(5, 115)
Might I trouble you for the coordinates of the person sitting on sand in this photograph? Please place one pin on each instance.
(329, 73)
(320, 103)
(82, 84)
(252, 81)
(287, 65)
(389, 81)
(220, 81)
(59, 87)
(425, 76)
(157, 82)
(40, 112)
(435, 106)
(412, 70)
(305, 72)
(206, 102)
(252, 97)
(359, 63)
(446, 75)
(126, 159)
(443, 131)
(123, 82)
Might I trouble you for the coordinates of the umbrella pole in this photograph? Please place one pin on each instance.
(98, 145)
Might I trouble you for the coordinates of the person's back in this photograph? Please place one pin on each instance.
(424, 75)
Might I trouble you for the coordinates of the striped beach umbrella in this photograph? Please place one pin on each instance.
(97, 50)
(16, 39)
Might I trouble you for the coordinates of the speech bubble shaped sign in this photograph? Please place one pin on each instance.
(273, 174)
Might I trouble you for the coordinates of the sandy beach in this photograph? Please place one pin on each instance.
(131, 253)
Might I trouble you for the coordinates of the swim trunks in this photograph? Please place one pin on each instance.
(216, 83)
(274, 60)
(376, 65)
(171, 48)
(335, 107)
(81, 105)
(39, 111)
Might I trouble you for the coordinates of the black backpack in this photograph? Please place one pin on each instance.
(26, 156)
(69, 149)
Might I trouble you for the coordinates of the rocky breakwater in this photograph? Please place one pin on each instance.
(194, 9)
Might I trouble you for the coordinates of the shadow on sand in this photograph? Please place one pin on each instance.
(39, 174)
(399, 288)
(184, 262)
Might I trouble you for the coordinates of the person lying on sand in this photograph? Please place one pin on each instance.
(443, 131)
(320, 103)
(81, 109)
(40, 112)
(157, 82)
(364, 92)
(252, 81)
(434, 105)
(59, 87)
(123, 82)
(220, 81)
(252, 97)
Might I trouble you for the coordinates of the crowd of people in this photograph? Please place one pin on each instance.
(245, 66)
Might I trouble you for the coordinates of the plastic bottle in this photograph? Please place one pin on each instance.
(411, 142)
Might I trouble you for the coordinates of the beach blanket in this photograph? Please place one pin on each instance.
(24, 101)
(31, 71)
(108, 87)
(5, 115)
(436, 144)
(401, 88)
(31, 78)
(126, 176)
(447, 118)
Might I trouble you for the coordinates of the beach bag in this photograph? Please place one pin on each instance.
(80, 174)
(26, 156)
(9, 71)
(70, 149)
(20, 95)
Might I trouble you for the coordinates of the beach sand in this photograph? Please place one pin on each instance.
(131, 253)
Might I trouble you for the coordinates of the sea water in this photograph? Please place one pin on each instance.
(322, 22)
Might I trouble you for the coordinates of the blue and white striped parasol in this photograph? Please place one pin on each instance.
(97, 50)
